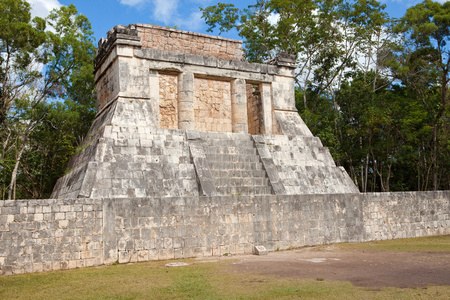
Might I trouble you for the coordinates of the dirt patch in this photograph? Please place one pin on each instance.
(361, 267)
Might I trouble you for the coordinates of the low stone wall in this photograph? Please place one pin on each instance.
(43, 235)
(40, 235)
(405, 215)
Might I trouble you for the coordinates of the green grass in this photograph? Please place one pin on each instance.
(209, 280)
(423, 244)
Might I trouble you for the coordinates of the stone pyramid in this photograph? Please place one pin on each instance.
(182, 114)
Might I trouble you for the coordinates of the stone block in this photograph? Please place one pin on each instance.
(260, 250)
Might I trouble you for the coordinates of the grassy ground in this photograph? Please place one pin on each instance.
(209, 280)
(424, 244)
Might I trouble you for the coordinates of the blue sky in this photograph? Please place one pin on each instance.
(105, 14)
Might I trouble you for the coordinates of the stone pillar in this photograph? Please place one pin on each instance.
(154, 96)
(186, 101)
(239, 118)
(283, 90)
(265, 90)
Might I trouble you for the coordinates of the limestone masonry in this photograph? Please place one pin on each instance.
(43, 235)
(181, 114)
(195, 152)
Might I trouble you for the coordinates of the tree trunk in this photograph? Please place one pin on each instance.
(14, 174)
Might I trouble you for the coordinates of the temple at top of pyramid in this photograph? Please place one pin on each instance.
(183, 114)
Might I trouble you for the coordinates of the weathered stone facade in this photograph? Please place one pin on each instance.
(195, 152)
(40, 235)
(168, 101)
(157, 99)
(212, 105)
(167, 39)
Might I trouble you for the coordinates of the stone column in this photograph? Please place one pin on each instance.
(283, 90)
(265, 90)
(186, 101)
(239, 116)
(154, 96)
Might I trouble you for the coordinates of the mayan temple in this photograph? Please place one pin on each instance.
(193, 153)
(182, 114)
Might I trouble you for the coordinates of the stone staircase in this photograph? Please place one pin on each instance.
(235, 165)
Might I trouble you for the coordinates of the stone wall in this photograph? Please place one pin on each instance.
(39, 235)
(306, 167)
(130, 63)
(168, 101)
(212, 105)
(149, 162)
(405, 215)
(43, 235)
(108, 86)
(168, 39)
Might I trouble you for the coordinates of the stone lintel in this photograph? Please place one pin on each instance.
(212, 62)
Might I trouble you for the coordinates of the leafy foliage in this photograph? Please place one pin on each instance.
(47, 95)
(375, 90)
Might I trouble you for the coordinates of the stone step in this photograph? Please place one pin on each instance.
(297, 150)
(232, 157)
(230, 150)
(238, 173)
(307, 141)
(246, 166)
(298, 141)
(235, 164)
(225, 136)
(291, 163)
(245, 190)
(230, 143)
(243, 181)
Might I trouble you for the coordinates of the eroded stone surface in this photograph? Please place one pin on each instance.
(53, 234)
(137, 191)
(154, 85)
(260, 250)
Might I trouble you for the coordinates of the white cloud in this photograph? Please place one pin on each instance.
(205, 2)
(132, 2)
(168, 12)
(192, 23)
(41, 8)
(273, 18)
(165, 10)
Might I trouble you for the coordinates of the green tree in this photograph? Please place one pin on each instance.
(50, 146)
(37, 66)
(378, 127)
(325, 35)
(423, 66)
(20, 38)
(374, 90)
